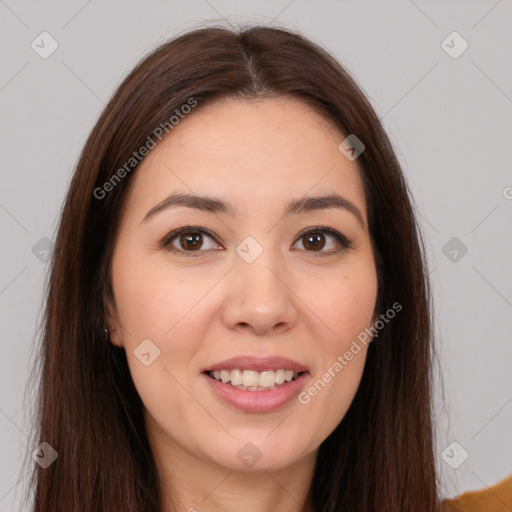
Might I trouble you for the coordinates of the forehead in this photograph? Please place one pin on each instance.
(255, 154)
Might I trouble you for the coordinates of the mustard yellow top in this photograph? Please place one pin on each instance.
(497, 498)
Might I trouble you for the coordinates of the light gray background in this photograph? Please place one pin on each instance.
(449, 119)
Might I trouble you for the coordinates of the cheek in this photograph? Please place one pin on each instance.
(345, 304)
(150, 299)
(157, 305)
(339, 365)
(154, 305)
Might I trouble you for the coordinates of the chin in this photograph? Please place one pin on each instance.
(257, 453)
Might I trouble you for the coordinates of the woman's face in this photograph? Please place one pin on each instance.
(260, 282)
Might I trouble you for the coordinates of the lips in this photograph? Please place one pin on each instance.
(253, 399)
(256, 401)
(259, 364)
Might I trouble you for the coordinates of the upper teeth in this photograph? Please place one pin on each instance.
(253, 378)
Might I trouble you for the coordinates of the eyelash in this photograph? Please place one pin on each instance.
(344, 242)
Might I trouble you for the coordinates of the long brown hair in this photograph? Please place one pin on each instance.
(380, 457)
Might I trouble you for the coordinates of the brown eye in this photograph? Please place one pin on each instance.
(320, 238)
(187, 240)
(191, 241)
(315, 241)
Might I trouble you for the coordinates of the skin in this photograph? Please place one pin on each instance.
(291, 301)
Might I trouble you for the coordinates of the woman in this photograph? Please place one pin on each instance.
(238, 312)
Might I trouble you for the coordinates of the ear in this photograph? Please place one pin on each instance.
(112, 320)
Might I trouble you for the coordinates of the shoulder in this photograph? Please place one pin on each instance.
(497, 498)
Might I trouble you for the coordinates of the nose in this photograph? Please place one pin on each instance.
(260, 296)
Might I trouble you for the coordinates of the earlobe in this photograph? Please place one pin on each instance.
(111, 336)
(111, 327)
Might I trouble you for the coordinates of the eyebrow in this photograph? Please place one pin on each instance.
(214, 205)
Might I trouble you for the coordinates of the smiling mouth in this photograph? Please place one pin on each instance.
(252, 380)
